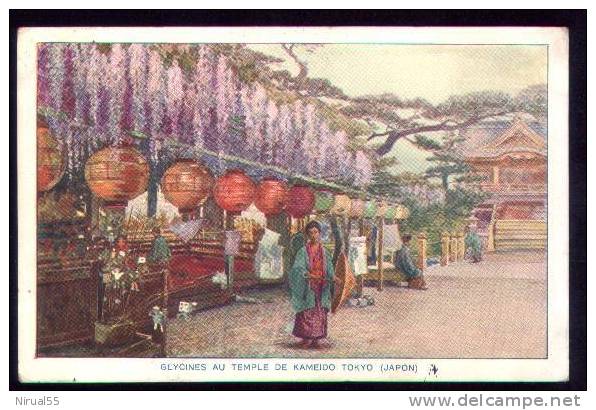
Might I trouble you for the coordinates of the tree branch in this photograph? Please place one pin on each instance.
(394, 136)
(289, 49)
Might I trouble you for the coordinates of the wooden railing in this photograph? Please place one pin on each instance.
(511, 187)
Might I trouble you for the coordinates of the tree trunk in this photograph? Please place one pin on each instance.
(445, 181)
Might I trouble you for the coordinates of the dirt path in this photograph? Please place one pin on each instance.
(495, 309)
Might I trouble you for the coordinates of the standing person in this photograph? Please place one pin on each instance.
(473, 244)
(404, 263)
(160, 251)
(311, 288)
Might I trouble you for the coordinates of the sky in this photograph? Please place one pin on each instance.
(433, 72)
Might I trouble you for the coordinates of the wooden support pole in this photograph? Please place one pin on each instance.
(422, 251)
(348, 229)
(165, 301)
(360, 278)
(445, 249)
(380, 255)
(461, 246)
(229, 270)
(453, 247)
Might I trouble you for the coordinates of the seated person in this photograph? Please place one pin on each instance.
(404, 263)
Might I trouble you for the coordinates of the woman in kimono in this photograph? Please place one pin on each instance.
(311, 288)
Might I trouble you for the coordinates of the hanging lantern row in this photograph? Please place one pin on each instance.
(370, 209)
(301, 201)
(271, 196)
(323, 201)
(357, 208)
(119, 174)
(234, 191)
(51, 163)
(186, 185)
(341, 205)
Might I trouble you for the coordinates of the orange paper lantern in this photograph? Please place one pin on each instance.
(117, 175)
(50, 159)
(300, 201)
(234, 191)
(187, 184)
(271, 196)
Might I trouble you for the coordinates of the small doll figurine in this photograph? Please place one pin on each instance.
(111, 235)
(185, 309)
(158, 318)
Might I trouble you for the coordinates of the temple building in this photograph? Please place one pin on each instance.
(510, 157)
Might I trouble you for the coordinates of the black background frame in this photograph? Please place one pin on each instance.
(573, 20)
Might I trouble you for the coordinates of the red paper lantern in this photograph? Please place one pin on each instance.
(50, 159)
(271, 196)
(117, 175)
(300, 201)
(187, 184)
(234, 191)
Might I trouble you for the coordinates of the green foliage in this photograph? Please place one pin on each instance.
(338, 121)
(533, 100)
(475, 104)
(248, 72)
(427, 143)
(436, 218)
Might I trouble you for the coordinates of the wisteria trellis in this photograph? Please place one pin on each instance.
(103, 96)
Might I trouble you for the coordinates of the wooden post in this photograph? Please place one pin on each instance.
(165, 301)
(229, 270)
(461, 246)
(380, 255)
(225, 219)
(445, 249)
(360, 278)
(422, 251)
(348, 229)
(453, 248)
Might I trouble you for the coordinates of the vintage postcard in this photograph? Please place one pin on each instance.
(292, 204)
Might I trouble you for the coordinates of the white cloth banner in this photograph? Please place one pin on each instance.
(357, 255)
(391, 238)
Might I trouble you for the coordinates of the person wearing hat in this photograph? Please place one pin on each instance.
(311, 288)
(404, 263)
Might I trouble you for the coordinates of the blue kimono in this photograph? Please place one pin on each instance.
(404, 263)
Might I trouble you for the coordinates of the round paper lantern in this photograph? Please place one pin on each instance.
(117, 175)
(357, 208)
(382, 209)
(271, 196)
(390, 214)
(370, 209)
(323, 201)
(300, 201)
(401, 212)
(50, 159)
(187, 184)
(234, 191)
(342, 204)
